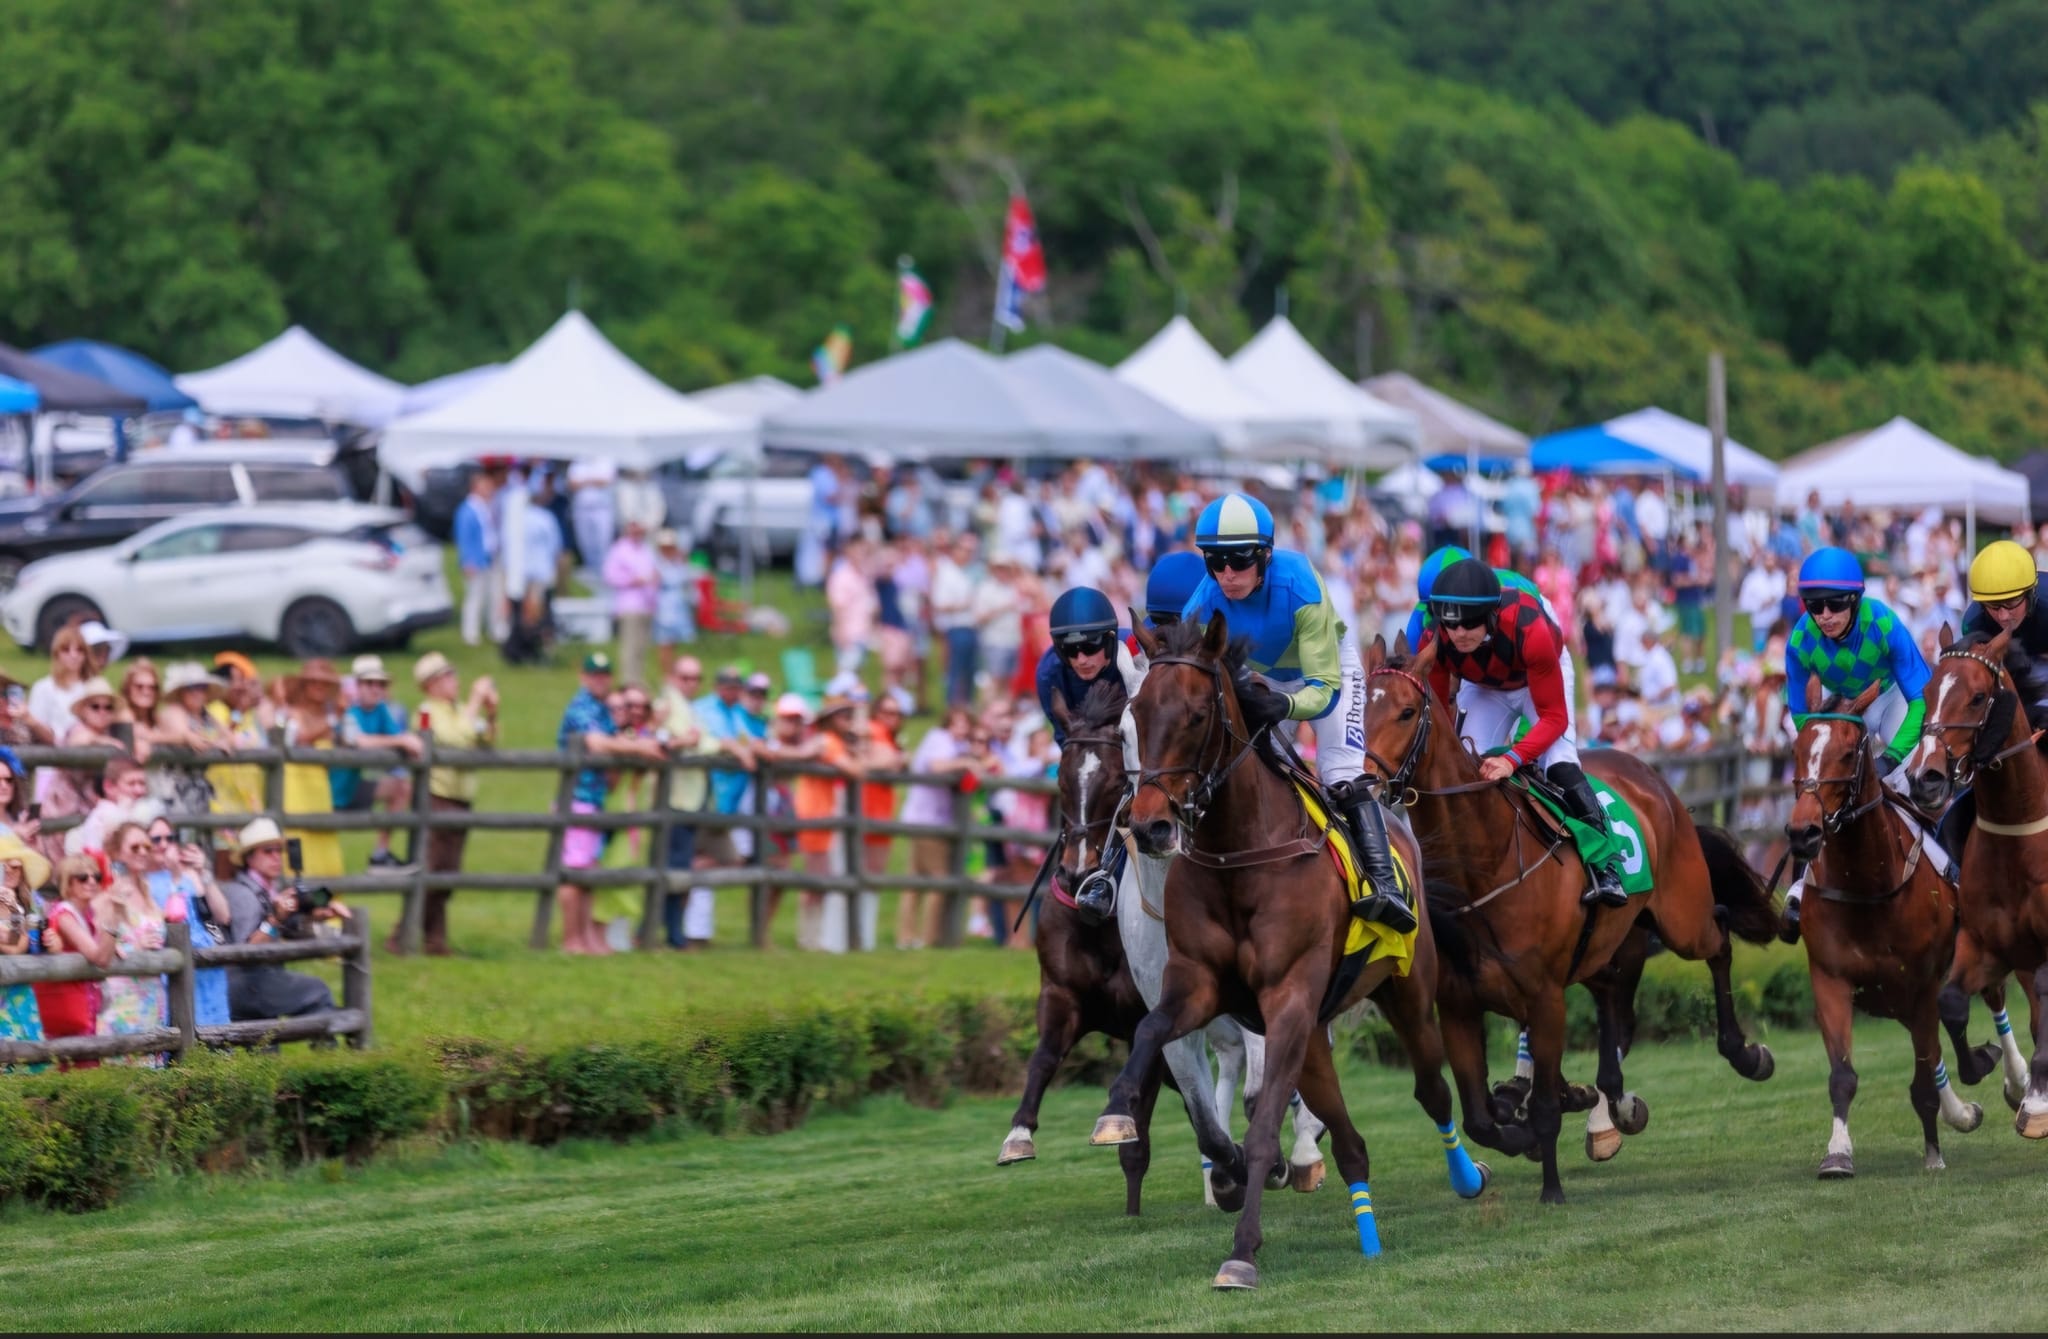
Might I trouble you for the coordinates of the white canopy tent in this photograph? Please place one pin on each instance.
(1354, 429)
(1902, 466)
(1449, 427)
(748, 401)
(1091, 394)
(571, 395)
(953, 400)
(1690, 447)
(295, 376)
(433, 394)
(1181, 370)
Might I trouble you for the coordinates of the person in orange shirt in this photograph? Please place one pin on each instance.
(836, 742)
(883, 753)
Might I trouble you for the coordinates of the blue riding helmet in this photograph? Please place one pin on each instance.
(1425, 579)
(1234, 521)
(1082, 614)
(1831, 569)
(1172, 582)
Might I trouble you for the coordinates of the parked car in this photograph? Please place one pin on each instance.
(317, 579)
(119, 500)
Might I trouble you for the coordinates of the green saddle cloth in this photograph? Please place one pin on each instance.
(1620, 841)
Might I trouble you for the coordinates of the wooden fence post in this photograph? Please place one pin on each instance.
(759, 784)
(183, 1004)
(565, 790)
(849, 834)
(273, 779)
(355, 975)
(414, 909)
(657, 855)
(953, 918)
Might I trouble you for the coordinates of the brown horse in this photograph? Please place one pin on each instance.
(1878, 918)
(1510, 924)
(1977, 735)
(1256, 916)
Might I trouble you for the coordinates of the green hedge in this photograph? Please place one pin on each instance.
(78, 1141)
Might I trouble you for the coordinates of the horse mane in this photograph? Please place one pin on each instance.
(2029, 676)
(1103, 707)
(1185, 639)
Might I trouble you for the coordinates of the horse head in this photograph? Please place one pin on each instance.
(1092, 780)
(1398, 713)
(1187, 717)
(1831, 768)
(1971, 714)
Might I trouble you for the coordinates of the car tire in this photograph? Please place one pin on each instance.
(61, 610)
(316, 627)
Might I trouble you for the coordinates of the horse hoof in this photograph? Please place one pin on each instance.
(1237, 1276)
(1016, 1150)
(2014, 1096)
(1485, 1178)
(1579, 1097)
(1933, 1162)
(1307, 1177)
(1602, 1145)
(1973, 1116)
(1631, 1114)
(1837, 1167)
(1112, 1130)
(1551, 1195)
(2032, 1122)
(1230, 1197)
(1514, 1089)
(1766, 1065)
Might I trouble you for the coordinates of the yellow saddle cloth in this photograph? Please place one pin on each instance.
(1365, 941)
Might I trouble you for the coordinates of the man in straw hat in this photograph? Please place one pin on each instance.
(374, 721)
(454, 722)
(264, 908)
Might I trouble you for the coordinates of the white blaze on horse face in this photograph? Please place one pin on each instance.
(1838, 1142)
(1084, 780)
(1821, 734)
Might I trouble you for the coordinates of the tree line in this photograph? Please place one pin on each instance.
(1555, 209)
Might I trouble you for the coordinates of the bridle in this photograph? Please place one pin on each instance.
(1094, 739)
(1961, 768)
(1853, 783)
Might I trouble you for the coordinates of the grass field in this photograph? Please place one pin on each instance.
(895, 1217)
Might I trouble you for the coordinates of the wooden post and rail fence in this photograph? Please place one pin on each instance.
(1711, 783)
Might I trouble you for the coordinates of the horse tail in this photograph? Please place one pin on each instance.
(1741, 898)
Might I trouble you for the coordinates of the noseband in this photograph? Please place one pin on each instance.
(1209, 778)
(1397, 784)
(1115, 815)
(1842, 815)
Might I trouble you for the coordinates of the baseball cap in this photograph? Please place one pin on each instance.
(1604, 677)
(729, 674)
(597, 662)
(792, 704)
(758, 682)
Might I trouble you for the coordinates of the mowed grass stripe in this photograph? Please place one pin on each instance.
(894, 1217)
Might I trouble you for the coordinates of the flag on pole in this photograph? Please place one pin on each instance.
(913, 304)
(830, 358)
(1023, 265)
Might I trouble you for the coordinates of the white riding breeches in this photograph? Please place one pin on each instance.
(1340, 732)
(1492, 713)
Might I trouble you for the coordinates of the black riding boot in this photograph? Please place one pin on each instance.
(1585, 806)
(1383, 903)
(1095, 899)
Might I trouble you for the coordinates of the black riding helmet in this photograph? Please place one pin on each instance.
(1465, 594)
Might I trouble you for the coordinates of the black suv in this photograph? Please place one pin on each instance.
(120, 500)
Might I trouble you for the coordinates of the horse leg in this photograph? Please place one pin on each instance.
(1546, 1110)
(1953, 1004)
(1136, 1156)
(1323, 1096)
(1685, 919)
(1831, 1009)
(1925, 1025)
(1059, 1027)
(2015, 1063)
(1289, 1023)
(1413, 1015)
(1184, 1007)
(1305, 1161)
(2032, 1121)
(1603, 1139)
(1188, 1061)
(1232, 1046)
(1464, 1038)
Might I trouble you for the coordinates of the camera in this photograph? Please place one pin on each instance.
(310, 899)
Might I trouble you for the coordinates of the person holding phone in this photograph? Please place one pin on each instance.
(179, 877)
(17, 726)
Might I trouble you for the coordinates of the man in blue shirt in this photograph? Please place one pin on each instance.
(374, 721)
(476, 548)
(588, 722)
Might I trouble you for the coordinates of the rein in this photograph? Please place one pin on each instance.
(1843, 816)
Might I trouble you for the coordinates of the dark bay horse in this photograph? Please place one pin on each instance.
(1256, 916)
(1510, 925)
(1977, 734)
(1878, 919)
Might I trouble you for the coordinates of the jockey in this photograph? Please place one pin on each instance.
(1850, 642)
(1309, 670)
(1085, 642)
(1174, 578)
(1425, 581)
(2005, 596)
(1509, 655)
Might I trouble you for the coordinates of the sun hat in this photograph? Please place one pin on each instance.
(95, 688)
(832, 706)
(370, 669)
(187, 674)
(262, 832)
(35, 866)
(235, 660)
(430, 667)
(793, 704)
(97, 633)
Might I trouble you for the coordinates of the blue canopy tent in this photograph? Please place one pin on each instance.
(1595, 450)
(18, 397)
(119, 368)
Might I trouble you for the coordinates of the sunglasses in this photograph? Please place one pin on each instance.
(1236, 560)
(164, 840)
(95, 706)
(1458, 615)
(2007, 606)
(85, 878)
(1094, 646)
(1830, 604)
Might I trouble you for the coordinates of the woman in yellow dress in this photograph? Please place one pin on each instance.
(308, 712)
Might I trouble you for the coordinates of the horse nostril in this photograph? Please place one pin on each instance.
(1157, 834)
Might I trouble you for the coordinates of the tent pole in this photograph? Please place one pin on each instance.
(1717, 423)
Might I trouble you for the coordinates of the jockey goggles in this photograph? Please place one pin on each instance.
(1237, 560)
(1092, 644)
(1461, 615)
(1840, 603)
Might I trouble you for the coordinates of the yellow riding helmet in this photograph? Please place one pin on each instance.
(2000, 572)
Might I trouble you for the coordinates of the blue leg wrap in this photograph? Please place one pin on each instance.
(1522, 1055)
(1465, 1179)
(1361, 1213)
(1940, 1075)
(2004, 1023)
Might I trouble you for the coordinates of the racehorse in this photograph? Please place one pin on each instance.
(1977, 735)
(1879, 918)
(1093, 779)
(1509, 921)
(1255, 930)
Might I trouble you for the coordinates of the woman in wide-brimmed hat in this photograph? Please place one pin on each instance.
(70, 790)
(311, 709)
(22, 871)
(182, 722)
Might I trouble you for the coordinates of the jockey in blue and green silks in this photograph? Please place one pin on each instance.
(1849, 642)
